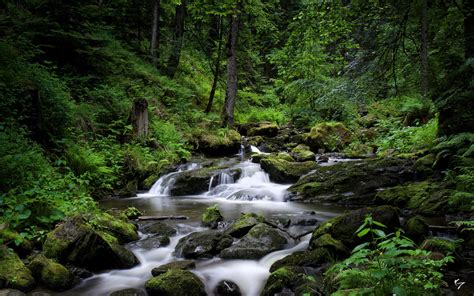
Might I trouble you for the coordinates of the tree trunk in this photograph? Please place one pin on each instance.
(231, 90)
(216, 68)
(155, 34)
(177, 42)
(424, 49)
(468, 29)
(139, 118)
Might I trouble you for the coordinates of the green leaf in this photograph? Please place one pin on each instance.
(363, 232)
(24, 215)
(379, 232)
(378, 224)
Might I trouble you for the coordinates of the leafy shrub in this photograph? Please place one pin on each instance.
(388, 264)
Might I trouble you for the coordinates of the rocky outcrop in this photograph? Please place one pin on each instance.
(262, 239)
(284, 171)
(75, 241)
(353, 182)
(205, 244)
(13, 272)
(175, 282)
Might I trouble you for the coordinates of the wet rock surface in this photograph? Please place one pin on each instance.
(205, 244)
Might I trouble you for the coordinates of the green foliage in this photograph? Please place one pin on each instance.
(388, 264)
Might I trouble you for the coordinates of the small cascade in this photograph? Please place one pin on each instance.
(164, 184)
(253, 184)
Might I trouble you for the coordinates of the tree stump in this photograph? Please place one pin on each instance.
(140, 118)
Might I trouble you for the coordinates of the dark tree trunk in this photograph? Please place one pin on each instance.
(216, 67)
(469, 29)
(231, 90)
(139, 118)
(155, 34)
(424, 49)
(177, 42)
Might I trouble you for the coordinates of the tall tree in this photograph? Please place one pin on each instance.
(216, 65)
(155, 33)
(231, 89)
(177, 42)
(424, 49)
(468, 29)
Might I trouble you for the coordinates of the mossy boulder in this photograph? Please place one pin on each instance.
(175, 282)
(197, 181)
(219, 144)
(182, 265)
(261, 240)
(351, 182)
(263, 129)
(132, 213)
(424, 165)
(128, 292)
(416, 228)
(158, 228)
(284, 171)
(152, 242)
(303, 153)
(424, 197)
(205, 244)
(286, 281)
(335, 247)
(343, 227)
(77, 242)
(243, 224)
(52, 274)
(257, 157)
(13, 272)
(329, 137)
(22, 246)
(312, 258)
(117, 226)
(440, 245)
(285, 156)
(211, 217)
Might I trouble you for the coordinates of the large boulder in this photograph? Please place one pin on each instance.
(76, 241)
(175, 282)
(198, 181)
(158, 228)
(243, 224)
(303, 153)
(312, 258)
(422, 197)
(261, 240)
(343, 228)
(263, 129)
(117, 226)
(13, 272)
(205, 244)
(351, 182)
(328, 137)
(284, 171)
(291, 281)
(52, 274)
(215, 144)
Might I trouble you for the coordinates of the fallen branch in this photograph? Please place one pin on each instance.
(147, 218)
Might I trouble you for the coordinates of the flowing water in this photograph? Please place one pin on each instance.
(252, 192)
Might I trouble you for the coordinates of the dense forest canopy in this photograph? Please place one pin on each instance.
(100, 98)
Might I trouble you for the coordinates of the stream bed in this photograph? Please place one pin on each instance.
(252, 192)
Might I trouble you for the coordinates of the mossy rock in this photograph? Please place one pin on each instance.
(335, 247)
(175, 282)
(153, 242)
(132, 213)
(416, 228)
(205, 244)
(244, 223)
(128, 292)
(183, 265)
(286, 156)
(75, 241)
(261, 240)
(284, 171)
(158, 228)
(22, 246)
(13, 272)
(303, 153)
(343, 227)
(211, 217)
(438, 244)
(352, 182)
(118, 227)
(328, 136)
(52, 274)
(263, 129)
(422, 197)
(284, 279)
(424, 165)
(312, 258)
(257, 157)
(215, 144)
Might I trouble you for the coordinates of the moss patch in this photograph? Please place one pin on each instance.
(328, 136)
(211, 217)
(175, 282)
(13, 272)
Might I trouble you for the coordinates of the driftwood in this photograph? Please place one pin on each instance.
(148, 218)
(442, 228)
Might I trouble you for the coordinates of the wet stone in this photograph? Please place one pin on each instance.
(128, 292)
(227, 288)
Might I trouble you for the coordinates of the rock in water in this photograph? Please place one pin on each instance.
(205, 244)
(52, 274)
(128, 292)
(13, 272)
(182, 265)
(211, 217)
(227, 288)
(175, 282)
(284, 171)
(261, 240)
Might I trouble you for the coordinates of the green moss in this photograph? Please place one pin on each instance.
(211, 217)
(437, 244)
(175, 282)
(329, 136)
(281, 170)
(52, 274)
(336, 248)
(13, 272)
(416, 228)
(132, 213)
(422, 197)
(285, 156)
(182, 264)
(424, 165)
(120, 228)
(263, 129)
(278, 280)
(303, 153)
(314, 258)
(245, 222)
